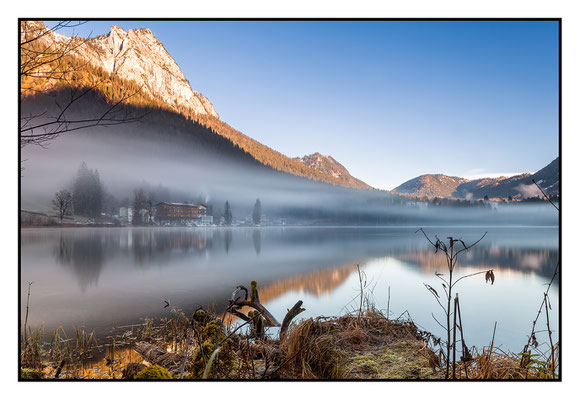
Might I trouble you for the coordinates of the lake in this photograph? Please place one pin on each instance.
(100, 278)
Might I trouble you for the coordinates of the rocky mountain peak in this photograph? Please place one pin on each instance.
(329, 166)
(136, 55)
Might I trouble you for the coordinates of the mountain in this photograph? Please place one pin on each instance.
(136, 65)
(329, 166)
(549, 177)
(430, 185)
(136, 56)
(517, 186)
(500, 187)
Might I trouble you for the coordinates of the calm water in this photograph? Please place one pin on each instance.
(100, 278)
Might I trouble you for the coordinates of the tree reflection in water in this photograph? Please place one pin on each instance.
(257, 239)
(84, 255)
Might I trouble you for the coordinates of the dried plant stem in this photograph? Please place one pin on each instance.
(448, 324)
(525, 357)
(186, 350)
(454, 334)
(463, 345)
(492, 340)
(451, 255)
(27, 309)
(389, 303)
(551, 360)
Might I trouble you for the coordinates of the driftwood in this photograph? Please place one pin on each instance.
(254, 302)
(293, 312)
(270, 320)
(240, 315)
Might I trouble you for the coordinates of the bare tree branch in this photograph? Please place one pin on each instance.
(545, 195)
(45, 59)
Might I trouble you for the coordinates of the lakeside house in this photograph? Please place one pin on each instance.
(126, 214)
(182, 213)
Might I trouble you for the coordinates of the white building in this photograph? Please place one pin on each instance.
(126, 213)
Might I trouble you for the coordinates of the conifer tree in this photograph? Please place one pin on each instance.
(257, 213)
(228, 214)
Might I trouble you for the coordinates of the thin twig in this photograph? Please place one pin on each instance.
(545, 195)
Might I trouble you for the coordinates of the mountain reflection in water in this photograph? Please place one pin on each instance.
(102, 278)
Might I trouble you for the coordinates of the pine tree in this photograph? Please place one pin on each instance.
(87, 196)
(257, 213)
(228, 214)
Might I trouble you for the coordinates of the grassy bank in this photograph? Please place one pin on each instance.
(364, 344)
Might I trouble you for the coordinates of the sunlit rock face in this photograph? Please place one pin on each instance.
(138, 56)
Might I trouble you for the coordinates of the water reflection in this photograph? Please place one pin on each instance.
(118, 275)
(257, 239)
(538, 261)
(227, 240)
(82, 255)
(86, 252)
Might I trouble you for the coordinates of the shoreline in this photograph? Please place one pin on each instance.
(364, 344)
(358, 346)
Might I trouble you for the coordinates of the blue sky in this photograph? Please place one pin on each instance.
(389, 100)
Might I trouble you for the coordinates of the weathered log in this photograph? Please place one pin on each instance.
(293, 312)
(238, 289)
(270, 320)
(253, 302)
(242, 316)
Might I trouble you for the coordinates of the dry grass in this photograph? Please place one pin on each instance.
(365, 346)
(496, 364)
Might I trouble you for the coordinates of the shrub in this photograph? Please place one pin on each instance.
(153, 372)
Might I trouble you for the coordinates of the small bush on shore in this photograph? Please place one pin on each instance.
(153, 372)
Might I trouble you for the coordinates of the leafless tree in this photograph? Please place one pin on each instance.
(62, 203)
(45, 63)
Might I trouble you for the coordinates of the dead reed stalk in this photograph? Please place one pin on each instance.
(451, 256)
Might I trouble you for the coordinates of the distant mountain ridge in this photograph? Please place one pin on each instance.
(431, 185)
(518, 186)
(329, 166)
